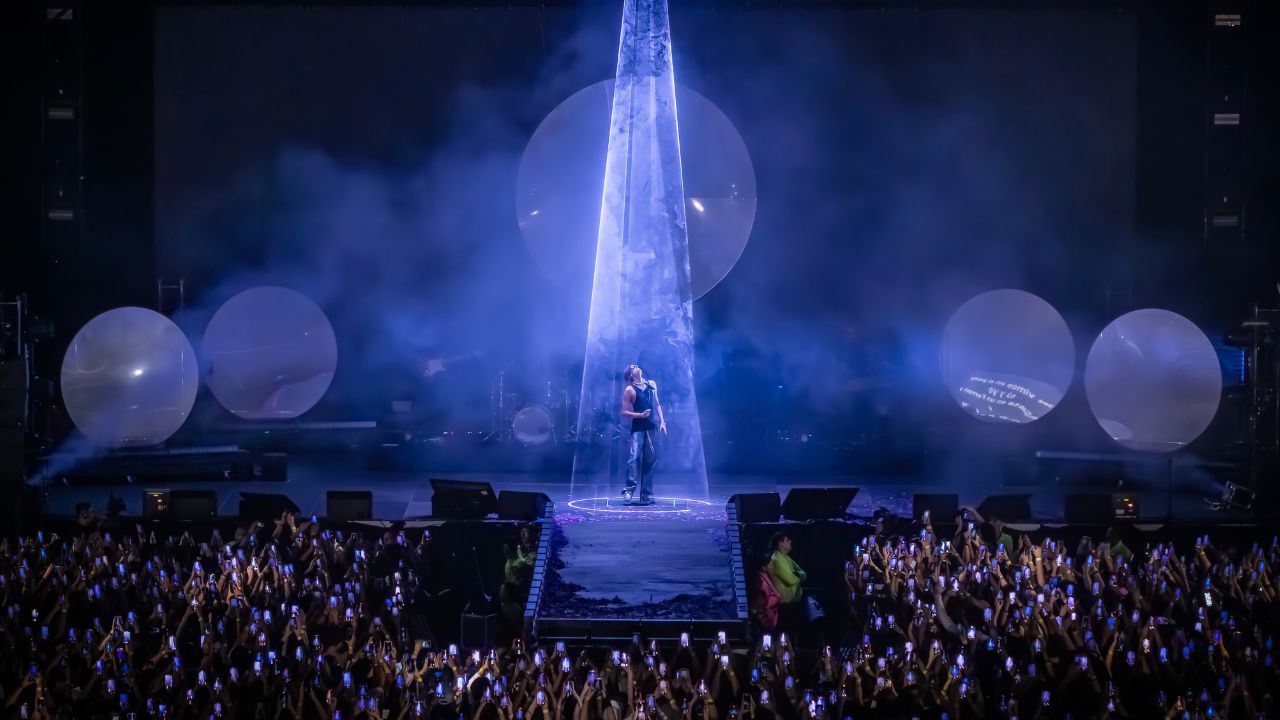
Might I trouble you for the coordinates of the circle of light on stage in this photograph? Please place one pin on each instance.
(1007, 356)
(561, 178)
(271, 354)
(1153, 380)
(129, 378)
(661, 506)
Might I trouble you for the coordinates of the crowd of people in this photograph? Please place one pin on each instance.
(985, 623)
(294, 620)
(289, 619)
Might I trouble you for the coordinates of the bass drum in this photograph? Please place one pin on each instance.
(533, 425)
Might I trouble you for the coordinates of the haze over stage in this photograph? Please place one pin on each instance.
(896, 192)
(336, 299)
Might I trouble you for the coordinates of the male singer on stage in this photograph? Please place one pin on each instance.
(640, 403)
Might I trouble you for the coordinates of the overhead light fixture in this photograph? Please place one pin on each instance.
(60, 109)
(61, 211)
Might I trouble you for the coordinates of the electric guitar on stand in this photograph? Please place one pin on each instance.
(435, 365)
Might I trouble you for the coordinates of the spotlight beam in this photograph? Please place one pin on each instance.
(641, 301)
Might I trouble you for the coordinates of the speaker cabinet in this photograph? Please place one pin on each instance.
(265, 507)
(818, 503)
(349, 505)
(461, 499)
(517, 505)
(192, 504)
(942, 508)
(1007, 508)
(757, 507)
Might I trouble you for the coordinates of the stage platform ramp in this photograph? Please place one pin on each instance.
(616, 570)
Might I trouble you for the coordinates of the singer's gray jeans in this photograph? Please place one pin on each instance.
(640, 463)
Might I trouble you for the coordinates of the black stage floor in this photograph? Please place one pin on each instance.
(404, 495)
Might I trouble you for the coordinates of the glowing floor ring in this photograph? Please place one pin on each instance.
(607, 505)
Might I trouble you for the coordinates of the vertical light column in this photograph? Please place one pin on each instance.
(641, 304)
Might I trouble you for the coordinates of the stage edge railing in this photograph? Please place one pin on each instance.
(545, 525)
(734, 530)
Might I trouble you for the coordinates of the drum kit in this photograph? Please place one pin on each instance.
(528, 405)
(537, 413)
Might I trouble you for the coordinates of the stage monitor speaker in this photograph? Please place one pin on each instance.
(1234, 497)
(265, 507)
(1125, 506)
(349, 505)
(817, 503)
(757, 507)
(1087, 508)
(192, 504)
(155, 503)
(942, 507)
(1099, 508)
(1007, 508)
(517, 505)
(462, 499)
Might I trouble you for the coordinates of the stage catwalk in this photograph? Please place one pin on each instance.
(640, 564)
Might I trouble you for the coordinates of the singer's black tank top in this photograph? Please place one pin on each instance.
(644, 401)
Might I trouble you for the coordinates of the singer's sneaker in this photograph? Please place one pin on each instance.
(626, 497)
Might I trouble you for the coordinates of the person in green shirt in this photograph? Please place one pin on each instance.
(517, 567)
(783, 571)
(1117, 546)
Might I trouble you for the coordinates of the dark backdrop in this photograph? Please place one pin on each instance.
(906, 160)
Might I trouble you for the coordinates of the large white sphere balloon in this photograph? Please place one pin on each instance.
(129, 378)
(1007, 356)
(271, 354)
(561, 176)
(1153, 380)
